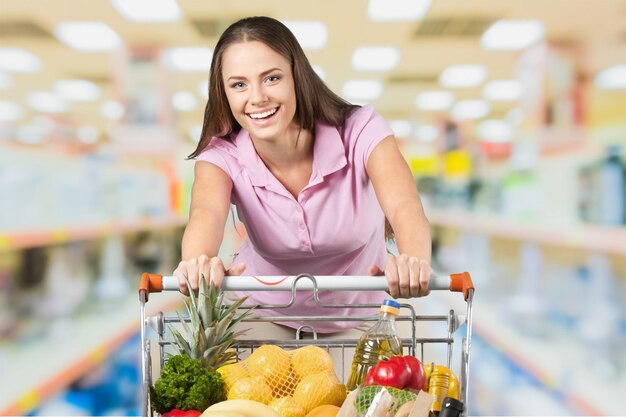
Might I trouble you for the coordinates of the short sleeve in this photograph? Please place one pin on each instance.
(365, 129)
(222, 154)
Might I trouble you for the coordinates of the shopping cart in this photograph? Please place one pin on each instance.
(412, 344)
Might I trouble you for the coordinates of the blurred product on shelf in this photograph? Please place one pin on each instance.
(112, 284)
(112, 388)
(598, 328)
(602, 189)
(89, 189)
(527, 307)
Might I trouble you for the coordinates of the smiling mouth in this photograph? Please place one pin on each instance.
(262, 115)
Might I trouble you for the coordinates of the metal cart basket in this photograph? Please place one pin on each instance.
(413, 341)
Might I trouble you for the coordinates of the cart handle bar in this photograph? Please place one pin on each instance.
(461, 282)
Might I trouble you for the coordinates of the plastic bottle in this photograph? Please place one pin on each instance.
(438, 384)
(451, 407)
(612, 180)
(380, 341)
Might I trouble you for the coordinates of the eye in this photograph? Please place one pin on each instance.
(272, 79)
(238, 85)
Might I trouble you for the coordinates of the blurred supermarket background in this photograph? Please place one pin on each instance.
(511, 113)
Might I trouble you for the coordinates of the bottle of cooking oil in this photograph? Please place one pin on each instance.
(381, 340)
(438, 384)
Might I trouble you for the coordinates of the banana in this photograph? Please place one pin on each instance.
(239, 408)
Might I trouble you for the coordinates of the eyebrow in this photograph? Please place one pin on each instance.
(263, 74)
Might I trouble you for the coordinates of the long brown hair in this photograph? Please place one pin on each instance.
(314, 100)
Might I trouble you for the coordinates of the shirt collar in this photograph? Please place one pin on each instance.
(329, 155)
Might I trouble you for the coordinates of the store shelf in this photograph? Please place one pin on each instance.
(35, 371)
(560, 364)
(29, 239)
(610, 240)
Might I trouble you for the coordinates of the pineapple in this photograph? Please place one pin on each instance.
(210, 336)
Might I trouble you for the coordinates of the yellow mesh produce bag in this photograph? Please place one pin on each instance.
(291, 382)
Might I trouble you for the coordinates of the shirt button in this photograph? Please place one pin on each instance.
(302, 227)
(299, 209)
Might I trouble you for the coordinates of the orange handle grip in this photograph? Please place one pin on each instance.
(461, 282)
(150, 283)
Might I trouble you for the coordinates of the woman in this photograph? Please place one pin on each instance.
(312, 176)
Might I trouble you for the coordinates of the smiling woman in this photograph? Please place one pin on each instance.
(313, 178)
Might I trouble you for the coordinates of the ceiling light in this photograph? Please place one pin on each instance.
(319, 71)
(112, 110)
(88, 134)
(46, 102)
(148, 10)
(375, 58)
(19, 60)
(495, 131)
(189, 58)
(77, 90)
(397, 10)
(502, 90)
(203, 89)
(195, 133)
(463, 76)
(470, 109)
(401, 128)
(184, 101)
(612, 78)
(9, 111)
(512, 34)
(88, 36)
(362, 89)
(434, 100)
(427, 133)
(310, 34)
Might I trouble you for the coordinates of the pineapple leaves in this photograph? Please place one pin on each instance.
(208, 334)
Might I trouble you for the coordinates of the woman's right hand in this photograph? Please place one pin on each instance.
(211, 268)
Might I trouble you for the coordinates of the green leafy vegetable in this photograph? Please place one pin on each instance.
(184, 384)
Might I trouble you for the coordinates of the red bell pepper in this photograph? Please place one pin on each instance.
(402, 372)
(182, 413)
(418, 376)
(388, 373)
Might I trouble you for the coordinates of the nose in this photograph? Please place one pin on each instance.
(258, 95)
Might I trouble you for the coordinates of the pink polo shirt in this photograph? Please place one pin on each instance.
(334, 227)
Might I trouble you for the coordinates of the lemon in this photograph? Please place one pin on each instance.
(232, 373)
(251, 388)
(309, 360)
(324, 411)
(287, 407)
(272, 363)
(319, 389)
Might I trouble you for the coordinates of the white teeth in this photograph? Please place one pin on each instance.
(262, 115)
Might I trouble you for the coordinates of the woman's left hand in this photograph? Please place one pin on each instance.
(407, 276)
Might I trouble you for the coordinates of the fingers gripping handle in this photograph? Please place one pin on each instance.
(461, 282)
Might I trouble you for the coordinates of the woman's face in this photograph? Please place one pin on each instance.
(260, 89)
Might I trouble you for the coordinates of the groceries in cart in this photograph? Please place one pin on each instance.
(209, 370)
